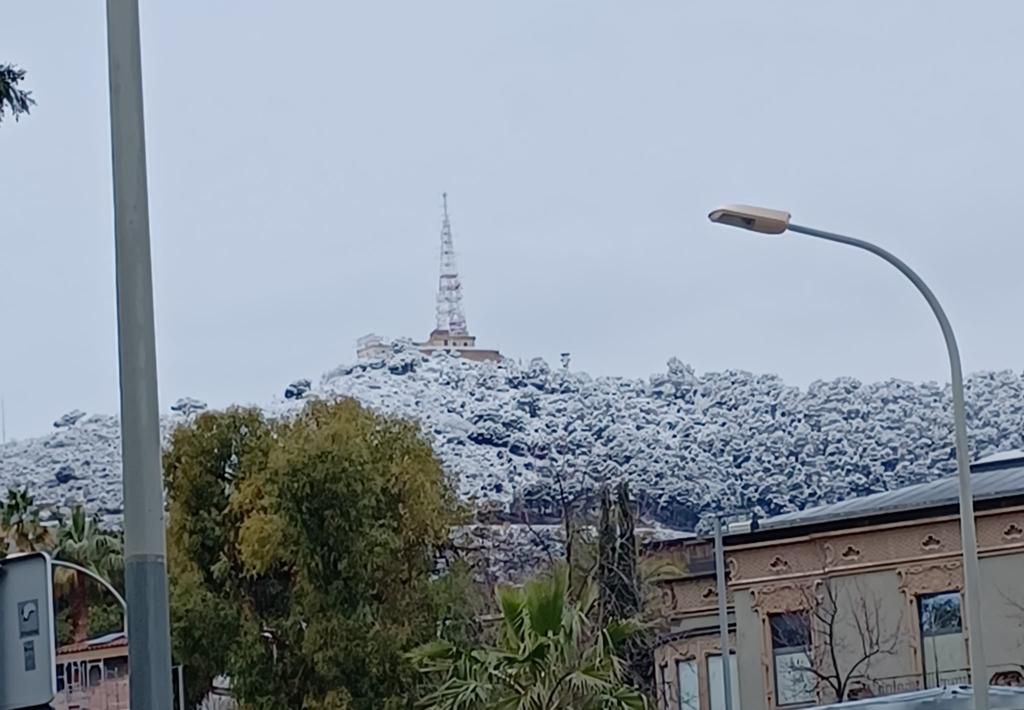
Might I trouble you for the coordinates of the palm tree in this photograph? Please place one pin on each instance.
(81, 539)
(550, 656)
(20, 527)
(16, 100)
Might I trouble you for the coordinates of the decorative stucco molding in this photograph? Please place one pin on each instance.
(930, 578)
(849, 554)
(779, 598)
(1012, 532)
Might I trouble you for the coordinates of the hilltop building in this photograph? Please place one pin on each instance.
(450, 332)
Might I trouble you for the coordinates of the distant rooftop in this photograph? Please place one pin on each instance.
(999, 457)
(107, 641)
(997, 476)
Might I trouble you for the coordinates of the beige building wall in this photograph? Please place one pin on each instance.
(691, 651)
(1002, 611)
(878, 576)
(750, 641)
(688, 607)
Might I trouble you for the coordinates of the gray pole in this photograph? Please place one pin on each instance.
(181, 686)
(723, 610)
(969, 542)
(149, 647)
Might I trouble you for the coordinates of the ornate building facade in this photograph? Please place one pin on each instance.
(858, 599)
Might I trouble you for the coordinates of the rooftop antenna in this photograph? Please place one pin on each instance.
(450, 316)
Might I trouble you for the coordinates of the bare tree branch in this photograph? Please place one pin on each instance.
(541, 542)
(566, 514)
(848, 634)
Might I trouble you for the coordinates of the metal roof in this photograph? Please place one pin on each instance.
(114, 640)
(989, 480)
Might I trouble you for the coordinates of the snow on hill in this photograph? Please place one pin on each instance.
(518, 438)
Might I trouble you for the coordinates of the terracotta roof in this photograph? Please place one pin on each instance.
(115, 640)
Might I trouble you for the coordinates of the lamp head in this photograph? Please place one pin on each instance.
(756, 219)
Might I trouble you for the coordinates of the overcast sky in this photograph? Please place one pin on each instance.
(297, 154)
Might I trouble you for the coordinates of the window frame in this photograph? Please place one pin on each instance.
(789, 651)
(695, 665)
(932, 677)
(734, 667)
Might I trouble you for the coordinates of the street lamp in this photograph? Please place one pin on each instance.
(145, 555)
(768, 221)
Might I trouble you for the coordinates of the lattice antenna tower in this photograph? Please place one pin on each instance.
(450, 316)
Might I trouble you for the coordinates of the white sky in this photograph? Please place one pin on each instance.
(297, 152)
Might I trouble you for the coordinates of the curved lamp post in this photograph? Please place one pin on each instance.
(179, 669)
(767, 221)
(109, 587)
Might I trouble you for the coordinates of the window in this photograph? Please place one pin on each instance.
(791, 652)
(116, 667)
(716, 682)
(689, 686)
(942, 639)
(95, 674)
(60, 677)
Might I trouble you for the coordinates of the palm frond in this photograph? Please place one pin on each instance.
(545, 602)
(512, 602)
(551, 654)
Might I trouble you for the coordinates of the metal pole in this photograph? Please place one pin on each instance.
(723, 619)
(149, 649)
(969, 542)
(181, 686)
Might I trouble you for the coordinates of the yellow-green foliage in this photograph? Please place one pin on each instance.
(301, 553)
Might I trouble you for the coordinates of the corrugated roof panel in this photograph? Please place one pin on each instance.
(985, 485)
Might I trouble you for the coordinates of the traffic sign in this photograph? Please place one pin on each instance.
(28, 670)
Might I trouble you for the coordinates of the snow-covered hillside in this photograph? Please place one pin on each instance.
(515, 436)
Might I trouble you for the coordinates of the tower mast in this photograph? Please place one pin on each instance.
(450, 316)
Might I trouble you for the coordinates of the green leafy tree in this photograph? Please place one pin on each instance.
(20, 525)
(551, 654)
(203, 465)
(309, 544)
(13, 99)
(82, 540)
(106, 616)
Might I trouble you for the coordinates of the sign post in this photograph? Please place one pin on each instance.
(28, 669)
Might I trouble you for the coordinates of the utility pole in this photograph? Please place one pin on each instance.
(149, 646)
(723, 610)
(3, 421)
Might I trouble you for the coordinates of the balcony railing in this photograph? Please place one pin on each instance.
(1005, 675)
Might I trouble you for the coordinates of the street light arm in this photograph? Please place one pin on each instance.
(947, 330)
(110, 587)
(972, 572)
